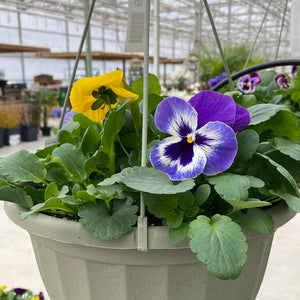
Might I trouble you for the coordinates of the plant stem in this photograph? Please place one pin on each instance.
(112, 160)
(122, 146)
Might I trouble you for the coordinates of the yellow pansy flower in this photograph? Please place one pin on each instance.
(90, 95)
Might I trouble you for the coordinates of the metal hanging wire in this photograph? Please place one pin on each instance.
(142, 243)
(83, 37)
(257, 35)
(281, 29)
(213, 26)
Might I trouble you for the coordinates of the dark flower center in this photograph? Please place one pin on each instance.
(103, 96)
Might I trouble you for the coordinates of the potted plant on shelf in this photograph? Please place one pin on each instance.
(219, 179)
(10, 118)
(44, 100)
(29, 123)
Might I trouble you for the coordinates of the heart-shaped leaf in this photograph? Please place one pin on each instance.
(220, 244)
(104, 224)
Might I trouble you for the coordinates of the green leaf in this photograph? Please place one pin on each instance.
(247, 145)
(104, 224)
(231, 186)
(288, 147)
(256, 182)
(282, 180)
(267, 77)
(153, 101)
(112, 126)
(43, 153)
(67, 133)
(220, 244)
(177, 235)
(162, 206)
(186, 200)
(288, 163)
(262, 112)
(256, 219)
(22, 166)
(247, 100)
(90, 141)
(84, 196)
(292, 201)
(283, 124)
(153, 86)
(175, 219)
(153, 181)
(85, 122)
(247, 203)
(53, 204)
(53, 191)
(106, 192)
(73, 160)
(15, 195)
(202, 193)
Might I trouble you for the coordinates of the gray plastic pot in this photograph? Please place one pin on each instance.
(74, 266)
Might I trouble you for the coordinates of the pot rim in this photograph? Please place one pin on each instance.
(158, 237)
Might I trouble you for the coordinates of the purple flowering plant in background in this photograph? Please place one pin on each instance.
(213, 81)
(202, 134)
(19, 293)
(247, 83)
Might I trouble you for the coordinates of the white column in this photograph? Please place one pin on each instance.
(156, 55)
(294, 29)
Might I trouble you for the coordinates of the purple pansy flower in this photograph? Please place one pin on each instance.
(213, 81)
(41, 296)
(247, 83)
(202, 134)
(69, 117)
(294, 71)
(282, 81)
(20, 291)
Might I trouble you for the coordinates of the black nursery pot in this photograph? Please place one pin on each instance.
(46, 131)
(29, 133)
(1, 137)
(11, 136)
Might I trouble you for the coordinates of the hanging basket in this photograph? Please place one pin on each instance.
(75, 266)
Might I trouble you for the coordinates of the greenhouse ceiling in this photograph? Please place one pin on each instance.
(237, 22)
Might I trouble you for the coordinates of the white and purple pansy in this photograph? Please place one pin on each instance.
(282, 81)
(247, 83)
(202, 134)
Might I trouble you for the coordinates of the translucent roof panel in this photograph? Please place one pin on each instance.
(236, 21)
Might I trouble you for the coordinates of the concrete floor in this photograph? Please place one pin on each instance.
(18, 267)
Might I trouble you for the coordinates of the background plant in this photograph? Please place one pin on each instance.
(211, 65)
(10, 114)
(42, 101)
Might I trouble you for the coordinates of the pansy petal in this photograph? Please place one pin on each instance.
(69, 117)
(179, 159)
(123, 94)
(219, 143)
(176, 117)
(213, 106)
(242, 118)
